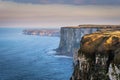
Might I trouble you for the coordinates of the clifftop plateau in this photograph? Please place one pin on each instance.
(98, 57)
(94, 26)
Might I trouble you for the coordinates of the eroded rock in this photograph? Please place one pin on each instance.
(99, 57)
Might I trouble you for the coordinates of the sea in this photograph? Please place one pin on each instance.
(31, 57)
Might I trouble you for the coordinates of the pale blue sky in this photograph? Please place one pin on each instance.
(57, 13)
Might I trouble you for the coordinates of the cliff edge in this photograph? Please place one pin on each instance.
(98, 57)
(70, 36)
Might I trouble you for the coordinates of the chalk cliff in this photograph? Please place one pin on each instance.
(98, 57)
(71, 36)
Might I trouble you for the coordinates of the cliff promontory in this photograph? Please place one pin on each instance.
(98, 57)
(70, 36)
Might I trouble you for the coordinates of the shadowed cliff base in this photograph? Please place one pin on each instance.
(98, 57)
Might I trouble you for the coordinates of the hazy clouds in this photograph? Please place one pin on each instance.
(28, 15)
(71, 2)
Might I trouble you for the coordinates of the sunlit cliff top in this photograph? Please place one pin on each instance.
(101, 43)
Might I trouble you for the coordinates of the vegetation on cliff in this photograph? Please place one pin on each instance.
(98, 57)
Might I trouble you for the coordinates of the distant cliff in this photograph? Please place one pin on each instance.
(42, 32)
(70, 36)
(98, 57)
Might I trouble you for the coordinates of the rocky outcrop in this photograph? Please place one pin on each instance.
(71, 36)
(98, 57)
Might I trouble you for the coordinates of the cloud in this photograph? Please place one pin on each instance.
(17, 14)
(72, 2)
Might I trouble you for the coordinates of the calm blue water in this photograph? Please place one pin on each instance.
(29, 57)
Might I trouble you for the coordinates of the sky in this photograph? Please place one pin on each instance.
(58, 13)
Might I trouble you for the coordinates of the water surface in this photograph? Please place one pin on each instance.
(30, 57)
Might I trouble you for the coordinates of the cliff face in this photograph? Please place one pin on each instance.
(98, 57)
(71, 36)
